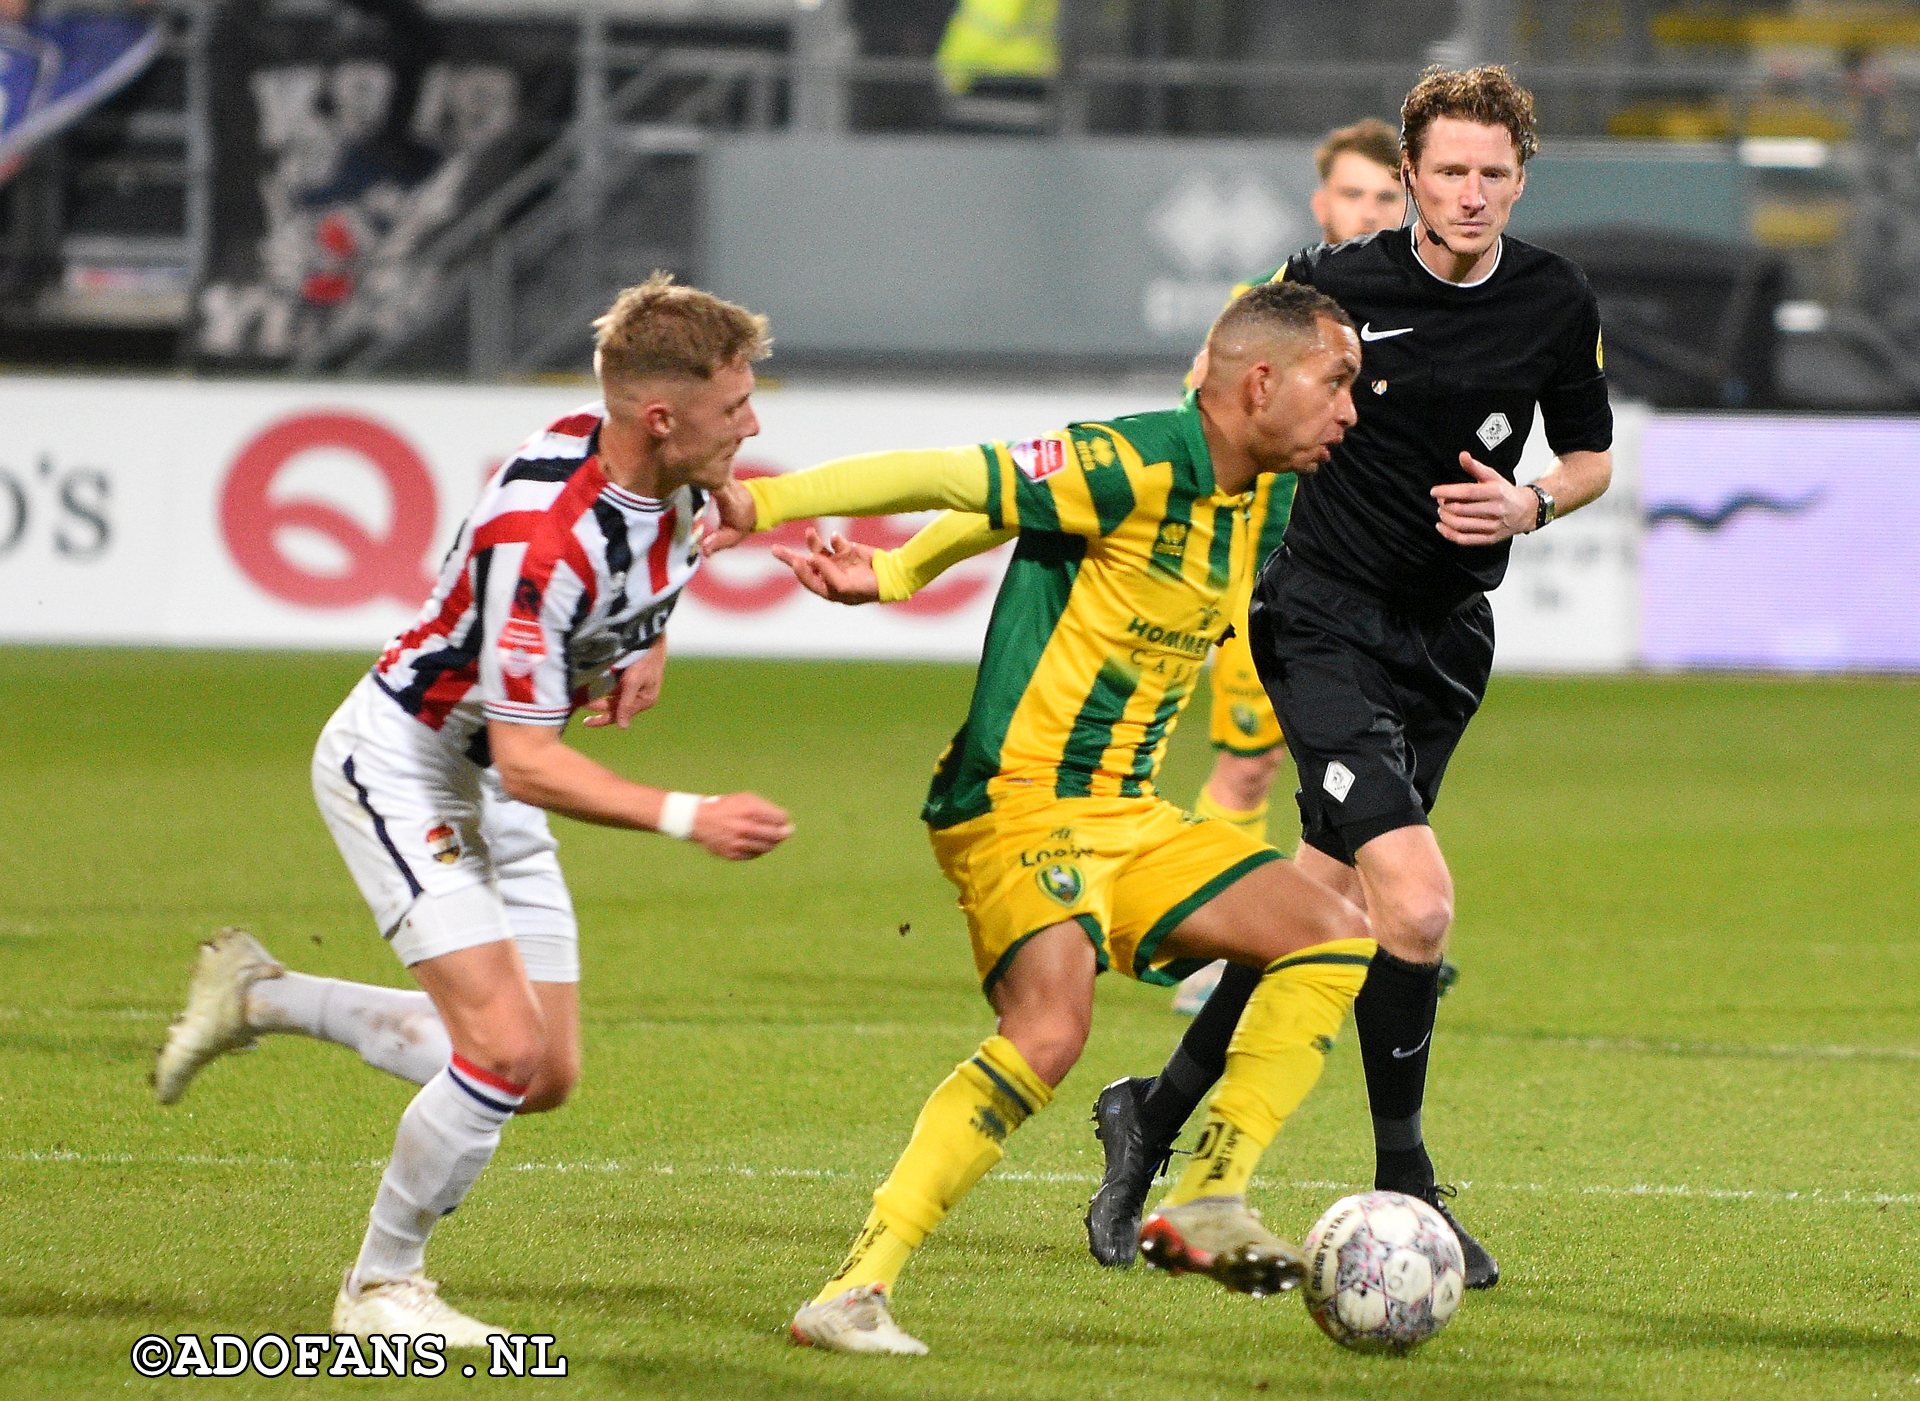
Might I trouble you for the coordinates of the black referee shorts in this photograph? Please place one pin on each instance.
(1373, 701)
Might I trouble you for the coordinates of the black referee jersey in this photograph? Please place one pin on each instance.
(1444, 369)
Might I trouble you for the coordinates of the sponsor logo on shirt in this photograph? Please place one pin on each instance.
(523, 645)
(444, 843)
(1039, 458)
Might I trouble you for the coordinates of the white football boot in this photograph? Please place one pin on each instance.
(410, 1307)
(856, 1321)
(215, 1019)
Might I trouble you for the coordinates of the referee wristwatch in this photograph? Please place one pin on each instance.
(1547, 509)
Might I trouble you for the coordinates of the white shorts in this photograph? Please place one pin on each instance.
(445, 859)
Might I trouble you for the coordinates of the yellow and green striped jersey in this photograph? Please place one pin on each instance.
(1119, 584)
(1272, 494)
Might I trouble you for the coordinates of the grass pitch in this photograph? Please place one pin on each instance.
(1677, 1080)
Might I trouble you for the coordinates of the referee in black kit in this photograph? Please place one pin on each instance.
(1371, 627)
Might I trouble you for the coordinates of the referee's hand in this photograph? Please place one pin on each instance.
(1487, 509)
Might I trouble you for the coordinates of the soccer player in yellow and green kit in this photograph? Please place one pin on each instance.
(1359, 193)
(1043, 813)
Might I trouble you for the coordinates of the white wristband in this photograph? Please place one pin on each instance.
(677, 813)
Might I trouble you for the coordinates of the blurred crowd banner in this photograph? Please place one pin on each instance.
(299, 515)
(337, 161)
(53, 71)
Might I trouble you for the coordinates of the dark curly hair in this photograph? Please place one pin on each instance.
(1487, 95)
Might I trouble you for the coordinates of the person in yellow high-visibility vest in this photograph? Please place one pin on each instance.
(999, 39)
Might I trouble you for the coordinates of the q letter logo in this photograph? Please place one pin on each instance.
(393, 566)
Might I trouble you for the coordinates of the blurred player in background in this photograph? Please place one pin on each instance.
(1359, 193)
(1042, 811)
(1371, 626)
(436, 774)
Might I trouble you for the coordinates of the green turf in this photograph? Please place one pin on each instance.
(1678, 1077)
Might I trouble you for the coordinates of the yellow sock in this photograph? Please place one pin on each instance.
(1253, 821)
(1272, 1062)
(955, 1141)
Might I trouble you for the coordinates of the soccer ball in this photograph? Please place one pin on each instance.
(1384, 1272)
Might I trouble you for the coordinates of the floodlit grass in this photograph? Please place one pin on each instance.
(1677, 1080)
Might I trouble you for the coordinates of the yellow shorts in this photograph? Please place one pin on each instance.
(1243, 721)
(1127, 869)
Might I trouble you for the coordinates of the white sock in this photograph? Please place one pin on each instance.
(393, 1030)
(446, 1137)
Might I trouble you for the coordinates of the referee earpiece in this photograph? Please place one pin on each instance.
(1413, 204)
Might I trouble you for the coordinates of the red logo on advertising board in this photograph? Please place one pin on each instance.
(390, 566)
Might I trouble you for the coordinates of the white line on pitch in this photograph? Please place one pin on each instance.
(1637, 1045)
(1621, 1045)
(1814, 1196)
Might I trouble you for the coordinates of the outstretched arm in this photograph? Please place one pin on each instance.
(872, 484)
(843, 572)
(537, 767)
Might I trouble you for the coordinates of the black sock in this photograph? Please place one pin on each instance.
(1199, 1060)
(1394, 1014)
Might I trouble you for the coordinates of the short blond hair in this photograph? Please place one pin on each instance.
(661, 328)
(1370, 137)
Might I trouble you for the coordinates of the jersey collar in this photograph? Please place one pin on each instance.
(1499, 252)
(1196, 440)
(608, 490)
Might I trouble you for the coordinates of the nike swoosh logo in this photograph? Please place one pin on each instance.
(1367, 333)
(1399, 1054)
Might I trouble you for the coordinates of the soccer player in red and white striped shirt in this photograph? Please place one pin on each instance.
(437, 772)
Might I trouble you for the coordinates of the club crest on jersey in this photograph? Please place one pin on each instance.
(1495, 431)
(1039, 458)
(1061, 881)
(1379, 386)
(522, 647)
(444, 843)
(1169, 544)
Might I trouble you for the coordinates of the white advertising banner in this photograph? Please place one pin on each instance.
(300, 515)
(1571, 598)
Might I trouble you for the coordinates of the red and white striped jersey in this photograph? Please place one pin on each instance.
(558, 577)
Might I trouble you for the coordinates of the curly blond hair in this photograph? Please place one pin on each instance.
(1487, 95)
(661, 328)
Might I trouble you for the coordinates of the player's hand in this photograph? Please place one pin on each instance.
(841, 572)
(634, 690)
(740, 826)
(733, 503)
(1487, 509)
